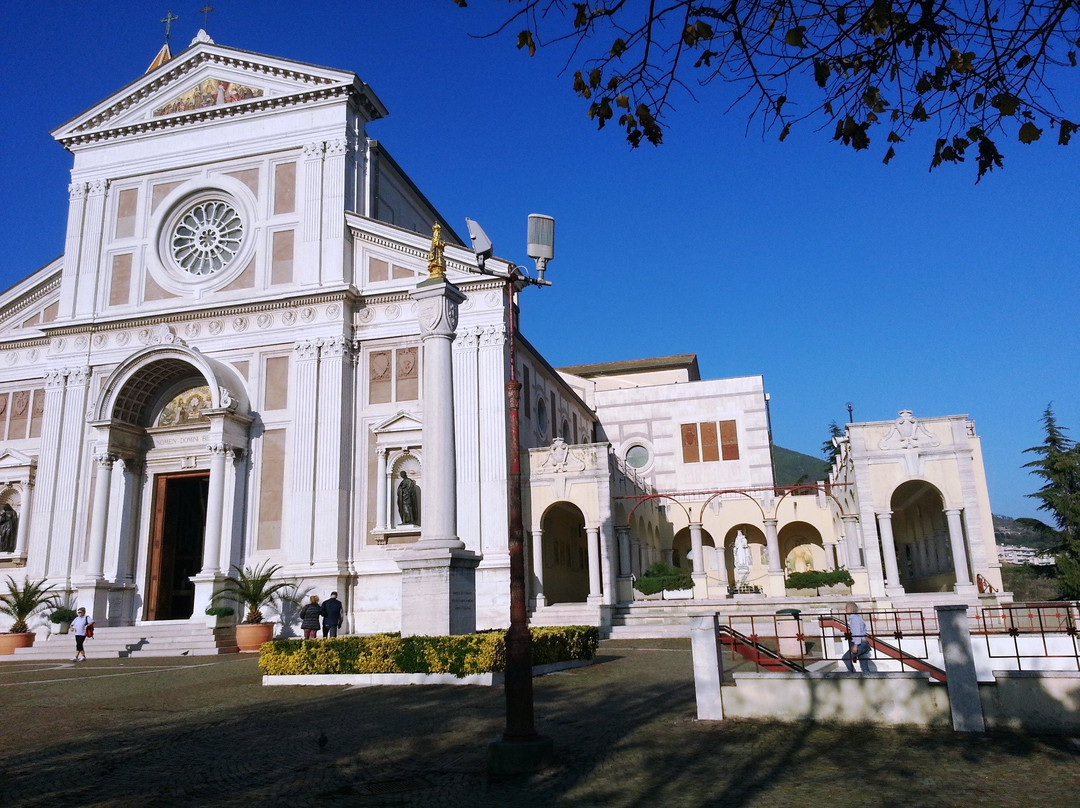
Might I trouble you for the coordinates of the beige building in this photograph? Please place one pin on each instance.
(229, 366)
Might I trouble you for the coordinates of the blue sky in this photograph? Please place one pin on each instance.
(835, 277)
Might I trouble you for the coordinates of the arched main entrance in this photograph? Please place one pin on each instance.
(167, 421)
(566, 554)
(921, 535)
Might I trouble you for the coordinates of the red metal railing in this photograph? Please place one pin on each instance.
(1035, 631)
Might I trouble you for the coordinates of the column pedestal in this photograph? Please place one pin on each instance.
(438, 592)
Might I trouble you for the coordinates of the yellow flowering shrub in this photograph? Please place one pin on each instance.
(461, 655)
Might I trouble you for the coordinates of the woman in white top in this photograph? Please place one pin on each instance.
(79, 625)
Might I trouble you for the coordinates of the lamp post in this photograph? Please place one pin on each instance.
(520, 749)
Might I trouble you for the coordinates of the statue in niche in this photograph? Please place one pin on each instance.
(408, 501)
(9, 528)
(742, 555)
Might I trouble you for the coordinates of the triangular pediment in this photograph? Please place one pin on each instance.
(12, 459)
(207, 81)
(400, 421)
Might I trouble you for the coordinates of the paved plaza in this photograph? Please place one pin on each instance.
(204, 732)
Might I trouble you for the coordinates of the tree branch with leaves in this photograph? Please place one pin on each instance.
(980, 71)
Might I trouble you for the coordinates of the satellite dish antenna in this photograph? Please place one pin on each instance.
(480, 242)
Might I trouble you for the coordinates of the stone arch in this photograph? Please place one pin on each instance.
(565, 554)
(759, 559)
(921, 537)
(801, 548)
(143, 381)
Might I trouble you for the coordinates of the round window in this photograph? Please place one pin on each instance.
(206, 237)
(541, 416)
(637, 456)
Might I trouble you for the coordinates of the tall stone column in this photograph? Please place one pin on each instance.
(959, 550)
(100, 516)
(851, 541)
(215, 498)
(536, 542)
(209, 576)
(721, 570)
(592, 546)
(696, 549)
(776, 571)
(438, 575)
(888, 549)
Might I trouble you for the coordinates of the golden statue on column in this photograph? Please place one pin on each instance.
(436, 260)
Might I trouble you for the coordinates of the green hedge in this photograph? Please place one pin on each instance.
(660, 576)
(815, 579)
(390, 653)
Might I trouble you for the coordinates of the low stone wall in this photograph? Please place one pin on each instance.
(1033, 701)
(887, 699)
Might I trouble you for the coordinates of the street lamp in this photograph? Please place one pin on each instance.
(520, 749)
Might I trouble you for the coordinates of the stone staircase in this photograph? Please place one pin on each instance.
(160, 638)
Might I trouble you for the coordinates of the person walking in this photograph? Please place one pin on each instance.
(860, 647)
(332, 615)
(309, 618)
(83, 627)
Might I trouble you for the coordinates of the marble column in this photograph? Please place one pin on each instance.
(959, 549)
(622, 533)
(696, 550)
(26, 491)
(536, 542)
(381, 500)
(215, 498)
(592, 545)
(888, 549)
(776, 570)
(99, 519)
(851, 541)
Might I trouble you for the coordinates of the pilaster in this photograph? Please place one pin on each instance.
(303, 402)
(333, 207)
(333, 455)
(90, 257)
(309, 257)
(72, 248)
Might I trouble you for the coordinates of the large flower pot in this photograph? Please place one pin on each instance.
(251, 636)
(9, 642)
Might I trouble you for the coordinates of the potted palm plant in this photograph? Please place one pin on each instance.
(255, 588)
(21, 603)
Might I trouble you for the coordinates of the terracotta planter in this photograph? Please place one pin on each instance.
(9, 642)
(251, 636)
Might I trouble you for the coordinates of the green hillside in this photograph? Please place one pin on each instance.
(796, 468)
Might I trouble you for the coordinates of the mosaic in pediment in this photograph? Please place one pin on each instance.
(187, 409)
(209, 93)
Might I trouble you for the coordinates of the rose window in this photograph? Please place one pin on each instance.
(206, 238)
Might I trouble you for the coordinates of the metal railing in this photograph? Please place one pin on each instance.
(1035, 636)
(1031, 632)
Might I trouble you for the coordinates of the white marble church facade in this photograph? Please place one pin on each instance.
(227, 367)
